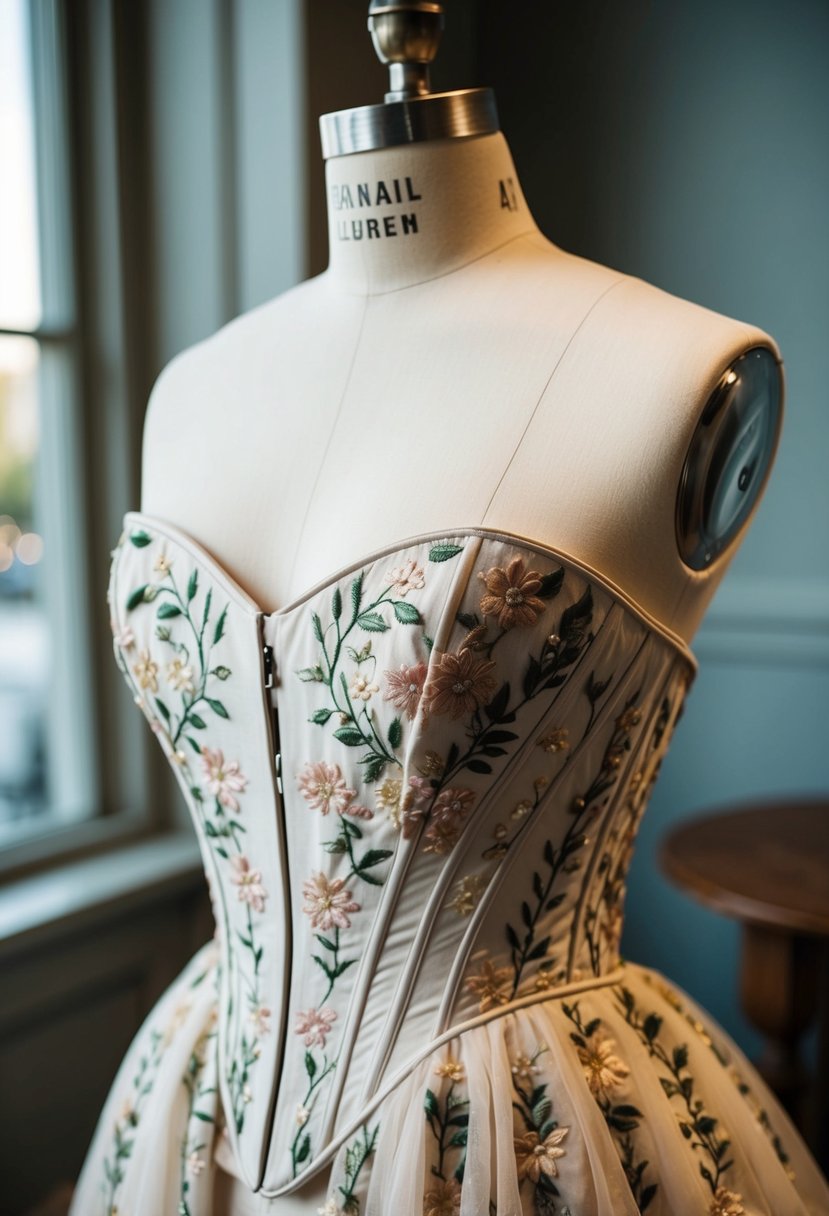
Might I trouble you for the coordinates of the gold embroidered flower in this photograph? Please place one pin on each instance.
(443, 1199)
(249, 882)
(459, 684)
(510, 594)
(524, 1067)
(180, 676)
(404, 687)
(602, 1069)
(406, 578)
(726, 1203)
(162, 564)
(629, 718)
(453, 1069)
(490, 986)
(315, 1025)
(388, 799)
(535, 1156)
(224, 777)
(556, 741)
(324, 789)
(362, 689)
(146, 672)
(327, 902)
(468, 893)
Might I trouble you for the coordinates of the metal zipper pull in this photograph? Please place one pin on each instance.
(269, 665)
(278, 766)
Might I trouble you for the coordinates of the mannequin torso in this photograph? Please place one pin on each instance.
(452, 367)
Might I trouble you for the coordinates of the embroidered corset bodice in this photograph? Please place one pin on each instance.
(415, 789)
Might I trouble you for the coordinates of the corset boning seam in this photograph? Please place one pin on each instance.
(550, 995)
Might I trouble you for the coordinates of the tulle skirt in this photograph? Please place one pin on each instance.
(607, 1101)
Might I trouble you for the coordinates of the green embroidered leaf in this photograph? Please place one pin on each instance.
(326, 941)
(373, 858)
(512, 938)
(321, 716)
(196, 721)
(372, 622)
(374, 766)
(430, 1104)
(551, 584)
(349, 736)
(680, 1055)
(192, 585)
(395, 733)
(478, 766)
(647, 1196)
(336, 846)
(686, 1130)
(443, 552)
(406, 614)
(218, 632)
(467, 619)
(140, 538)
(651, 1026)
(221, 673)
(428, 642)
(497, 706)
(208, 600)
(310, 1065)
(628, 1111)
(341, 967)
(194, 744)
(162, 708)
(459, 1139)
(317, 626)
(350, 829)
(217, 707)
(205, 1118)
(196, 793)
(311, 675)
(136, 597)
(540, 950)
(163, 633)
(336, 604)
(357, 593)
(167, 610)
(304, 1149)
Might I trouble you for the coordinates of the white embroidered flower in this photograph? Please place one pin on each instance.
(535, 1156)
(195, 1164)
(388, 799)
(249, 882)
(224, 777)
(124, 637)
(524, 1067)
(362, 689)
(162, 564)
(406, 578)
(315, 1025)
(247, 1094)
(260, 1019)
(468, 894)
(180, 676)
(302, 1115)
(146, 672)
(329, 1208)
(327, 902)
(602, 1069)
(324, 789)
(453, 1069)
(726, 1203)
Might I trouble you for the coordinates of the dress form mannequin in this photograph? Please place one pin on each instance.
(451, 368)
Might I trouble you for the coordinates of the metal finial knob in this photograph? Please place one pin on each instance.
(406, 35)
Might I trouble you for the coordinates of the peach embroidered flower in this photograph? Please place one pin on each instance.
(315, 1025)
(452, 805)
(441, 837)
(468, 893)
(490, 985)
(443, 1198)
(535, 1156)
(180, 676)
(404, 687)
(459, 684)
(124, 638)
(249, 882)
(510, 594)
(406, 578)
(224, 777)
(324, 789)
(327, 902)
(146, 672)
(260, 1019)
(415, 805)
(726, 1203)
(602, 1069)
(452, 1069)
(362, 689)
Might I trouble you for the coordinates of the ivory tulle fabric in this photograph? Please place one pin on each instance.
(416, 790)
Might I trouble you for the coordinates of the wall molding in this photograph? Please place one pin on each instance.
(761, 620)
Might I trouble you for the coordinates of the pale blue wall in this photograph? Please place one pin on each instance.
(687, 142)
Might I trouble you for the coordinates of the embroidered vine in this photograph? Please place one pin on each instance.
(196, 1141)
(538, 1147)
(605, 1073)
(448, 1120)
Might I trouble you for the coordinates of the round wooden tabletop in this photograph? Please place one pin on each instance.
(767, 863)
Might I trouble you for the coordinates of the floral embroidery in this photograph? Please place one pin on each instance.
(404, 687)
(406, 578)
(538, 1148)
(327, 902)
(555, 741)
(726, 1203)
(468, 893)
(698, 1127)
(323, 787)
(361, 688)
(199, 1117)
(356, 1158)
(490, 986)
(605, 1073)
(511, 594)
(459, 684)
(249, 882)
(146, 672)
(536, 1158)
(448, 1120)
(224, 778)
(315, 1025)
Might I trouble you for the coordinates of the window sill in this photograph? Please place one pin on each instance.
(39, 908)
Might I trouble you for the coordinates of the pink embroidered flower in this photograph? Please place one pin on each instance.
(314, 1025)
(260, 1019)
(510, 594)
(224, 777)
(249, 882)
(404, 688)
(452, 805)
(406, 578)
(415, 804)
(124, 638)
(459, 684)
(324, 789)
(441, 837)
(327, 902)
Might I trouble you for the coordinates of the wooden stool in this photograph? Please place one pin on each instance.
(767, 865)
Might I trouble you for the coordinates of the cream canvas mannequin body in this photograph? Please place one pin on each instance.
(466, 373)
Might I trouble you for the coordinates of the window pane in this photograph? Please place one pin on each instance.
(23, 629)
(20, 305)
